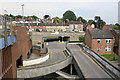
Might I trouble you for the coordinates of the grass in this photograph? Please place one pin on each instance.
(34, 42)
(110, 57)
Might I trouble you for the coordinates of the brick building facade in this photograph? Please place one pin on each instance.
(12, 54)
(100, 41)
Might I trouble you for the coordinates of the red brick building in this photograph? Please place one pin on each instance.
(89, 27)
(13, 55)
(100, 41)
(116, 34)
(107, 27)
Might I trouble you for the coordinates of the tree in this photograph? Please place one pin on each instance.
(99, 23)
(56, 20)
(90, 22)
(18, 16)
(116, 26)
(69, 15)
(82, 20)
(34, 17)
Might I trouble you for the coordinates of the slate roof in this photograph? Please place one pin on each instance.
(101, 34)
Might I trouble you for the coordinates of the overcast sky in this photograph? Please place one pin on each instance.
(107, 9)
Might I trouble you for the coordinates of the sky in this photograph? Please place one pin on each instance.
(106, 9)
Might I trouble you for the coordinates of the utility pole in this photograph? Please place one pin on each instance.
(23, 14)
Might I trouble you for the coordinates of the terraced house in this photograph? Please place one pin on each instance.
(73, 26)
(100, 41)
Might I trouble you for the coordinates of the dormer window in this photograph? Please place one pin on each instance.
(98, 40)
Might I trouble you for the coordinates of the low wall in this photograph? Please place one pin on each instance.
(44, 70)
(36, 61)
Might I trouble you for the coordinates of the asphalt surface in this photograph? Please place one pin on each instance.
(56, 54)
(88, 67)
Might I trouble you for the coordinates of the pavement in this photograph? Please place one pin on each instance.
(56, 54)
(88, 67)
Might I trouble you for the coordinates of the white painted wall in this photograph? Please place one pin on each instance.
(36, 61)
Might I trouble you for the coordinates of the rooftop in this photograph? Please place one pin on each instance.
(101, 34)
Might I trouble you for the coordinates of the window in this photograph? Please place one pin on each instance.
(98, 49)
(107, 49)
(98, 40)
(108, 41)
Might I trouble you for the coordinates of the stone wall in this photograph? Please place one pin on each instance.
(37, 36)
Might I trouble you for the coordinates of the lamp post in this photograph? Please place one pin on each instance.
(5, 28)
(23, 13)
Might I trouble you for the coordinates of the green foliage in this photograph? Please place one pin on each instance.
(99, 23)
(110, 57)
(116, 26)
(57, 20)
(69, 15)
(82, 20)
(90, 22)
(8, 28)
(81, 38)
(37, 30)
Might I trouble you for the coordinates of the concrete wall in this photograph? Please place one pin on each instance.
(41, 71)
(37, 36)
(36, 61)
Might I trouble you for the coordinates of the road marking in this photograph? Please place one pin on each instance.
(51, 55)
(91, 60)
(63, 54)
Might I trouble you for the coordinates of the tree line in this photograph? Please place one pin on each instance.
(70, 16)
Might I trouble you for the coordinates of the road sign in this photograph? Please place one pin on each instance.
(45, 38)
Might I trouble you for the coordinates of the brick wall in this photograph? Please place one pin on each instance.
(93, 44)
(88, 39)
(102, 45)
(105, 27)
(12, 53)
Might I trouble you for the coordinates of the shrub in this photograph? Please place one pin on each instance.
(37, 30)
(81, 38)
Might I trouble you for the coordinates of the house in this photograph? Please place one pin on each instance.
(116, 34)
(73, 26)
(100, 41)
(105, 27)
(76, 26)
(90, 27)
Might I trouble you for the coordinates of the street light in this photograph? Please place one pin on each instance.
(5, 27)
(23, 13)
